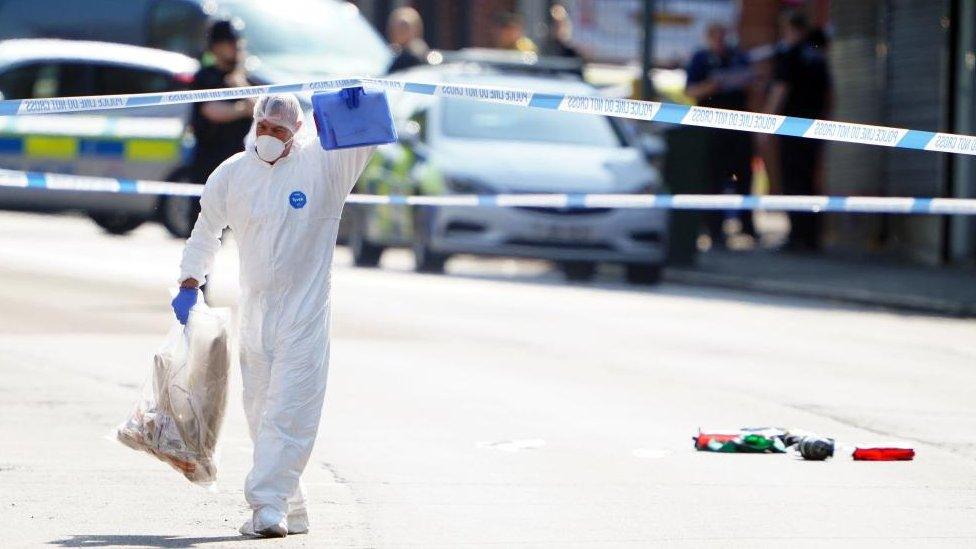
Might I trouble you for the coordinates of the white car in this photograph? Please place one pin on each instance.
(458, 146)
(143, 143)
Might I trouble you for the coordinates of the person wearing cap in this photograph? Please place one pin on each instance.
(219, 126)
(282, 198)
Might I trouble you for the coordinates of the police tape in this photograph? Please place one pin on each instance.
(653, 111)
(815, 204)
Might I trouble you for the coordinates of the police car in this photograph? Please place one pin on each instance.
(143, 143)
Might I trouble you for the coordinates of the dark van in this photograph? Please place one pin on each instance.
(288, 40)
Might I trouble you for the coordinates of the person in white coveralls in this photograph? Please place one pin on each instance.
(282, 198)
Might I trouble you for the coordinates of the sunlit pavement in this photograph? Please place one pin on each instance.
(496, 406)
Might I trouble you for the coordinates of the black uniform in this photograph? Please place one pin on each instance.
(803, 68)
(729, 152)
(215, 142)
(414, 54)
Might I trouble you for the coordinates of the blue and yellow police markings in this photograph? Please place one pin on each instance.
(74, 142)
(65, 147)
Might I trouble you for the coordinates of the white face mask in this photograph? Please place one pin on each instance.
(270, 148)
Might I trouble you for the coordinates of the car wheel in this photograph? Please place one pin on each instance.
(364, 252)
(578, 271)
(178, 214)
(425, 259)
(115, 223)
(643, 274)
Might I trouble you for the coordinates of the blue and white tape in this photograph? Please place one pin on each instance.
(859, 204)
(826, 130)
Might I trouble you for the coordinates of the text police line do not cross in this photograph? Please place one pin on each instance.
(671, 113)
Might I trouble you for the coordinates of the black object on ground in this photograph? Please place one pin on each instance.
(816, 448)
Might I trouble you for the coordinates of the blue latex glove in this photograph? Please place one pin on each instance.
(183, 302)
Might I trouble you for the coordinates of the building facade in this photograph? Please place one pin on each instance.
(904, 63)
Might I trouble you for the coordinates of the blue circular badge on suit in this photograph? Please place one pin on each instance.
(297, 200)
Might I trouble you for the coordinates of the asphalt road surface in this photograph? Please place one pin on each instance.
(494, 407)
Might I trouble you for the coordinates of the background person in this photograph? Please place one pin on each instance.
(510, 34)
(405, 31)
(220, 126)
(801, 87)
(718, 77)
(282, 198)
(560, 42)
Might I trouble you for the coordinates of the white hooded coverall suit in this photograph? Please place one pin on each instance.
(285, 218)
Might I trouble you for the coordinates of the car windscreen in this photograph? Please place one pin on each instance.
(311, 36)
(467, 119)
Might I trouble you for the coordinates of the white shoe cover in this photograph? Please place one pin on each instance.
(297, 524)
(263, 524)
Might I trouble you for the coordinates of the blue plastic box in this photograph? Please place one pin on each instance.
(352, 117)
